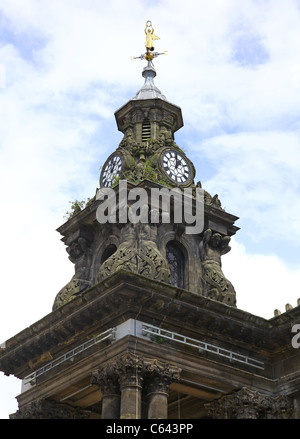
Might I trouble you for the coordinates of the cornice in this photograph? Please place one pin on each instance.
(126, 295)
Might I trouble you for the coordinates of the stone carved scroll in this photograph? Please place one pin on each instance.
(215, 284)
(81, 255)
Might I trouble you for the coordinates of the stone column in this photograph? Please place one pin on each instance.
(158, 392)
(122, 381)
(129, 368)
(158, 379)
(107, 380)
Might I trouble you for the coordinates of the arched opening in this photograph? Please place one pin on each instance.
(176, 260)
(108, 252)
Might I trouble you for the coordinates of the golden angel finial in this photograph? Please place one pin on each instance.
(150, 37)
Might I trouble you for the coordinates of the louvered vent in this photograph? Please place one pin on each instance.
(146, 130)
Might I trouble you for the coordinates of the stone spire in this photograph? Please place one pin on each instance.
(149, 89)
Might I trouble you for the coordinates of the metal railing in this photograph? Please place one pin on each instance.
(156, 334)
(68, 356)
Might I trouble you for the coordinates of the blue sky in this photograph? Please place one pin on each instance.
(234, 69)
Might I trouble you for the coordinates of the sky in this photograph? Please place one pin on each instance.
(234, 69)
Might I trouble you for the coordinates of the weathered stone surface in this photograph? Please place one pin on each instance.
(250, 404)
(215, 284)
(122, 272)
(44, 409)
(137, 253)
(133, 374)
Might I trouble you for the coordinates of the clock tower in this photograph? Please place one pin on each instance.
(148, 326)
(148, 159)
(148, 150)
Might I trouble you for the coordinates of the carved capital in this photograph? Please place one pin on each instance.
(280, 407)
(238, 405)
(125, 370)
(107, 380)
(250, 404)
(130, 368)
(159, 376)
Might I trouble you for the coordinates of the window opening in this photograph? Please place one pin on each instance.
(176, 260)
(108, 252)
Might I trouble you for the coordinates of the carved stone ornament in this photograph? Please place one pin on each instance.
(107, 379)
(125, 370)
(137, 253)
(80, 254)
(159, 376)
(69, 291)
(133, 370)
(250, 404)
(45, 409)
(216, 286)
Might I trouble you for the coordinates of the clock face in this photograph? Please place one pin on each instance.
(176, 166)
(111, 170)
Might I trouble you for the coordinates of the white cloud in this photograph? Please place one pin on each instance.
(9, 386)
(257, 178)
(263, 282)
(233, 67)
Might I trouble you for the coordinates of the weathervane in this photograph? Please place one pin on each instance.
(150, 37)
